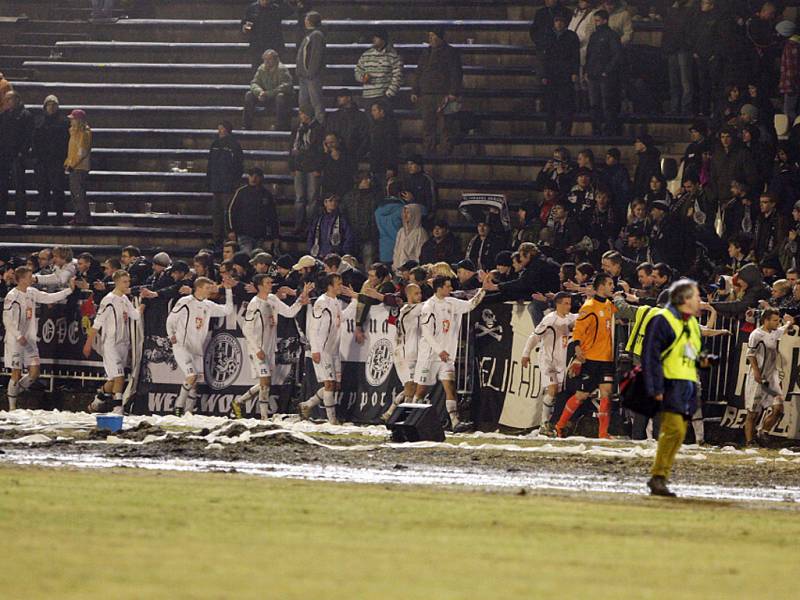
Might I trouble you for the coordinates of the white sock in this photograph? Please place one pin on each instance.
(13, 390)
(699, 426)
(263, 402)
(452, 410)
(420, 400)
(118, 403)
(191, 400)
(180, 401)
(314, 400)
(649, 429)
(25, 382)
(396, 401)
(547, 409)
(329, 400)
(272, 400)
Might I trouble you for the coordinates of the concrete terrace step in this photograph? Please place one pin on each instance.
(337, 31)
(236, 73)
(278, 141)
(100, 234)
(136, 219)
(471, 54)
(498, 123)
(192, 94)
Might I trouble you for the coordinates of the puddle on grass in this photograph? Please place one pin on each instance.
(487, 479)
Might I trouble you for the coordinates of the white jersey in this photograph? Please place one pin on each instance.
(553, 334)
(113, 320)
(324, 323)
(189, 320)
(440, 324)
(260, 325)
(406, 343)
(19, 312)
(59, 278)
(762, 346)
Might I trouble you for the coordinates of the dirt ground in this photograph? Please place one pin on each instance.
(321, 445)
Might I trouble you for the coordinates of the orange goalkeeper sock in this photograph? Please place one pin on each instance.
(604, 417)
(569, 409)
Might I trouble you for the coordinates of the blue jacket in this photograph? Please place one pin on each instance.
(389, 219)
(680, 396)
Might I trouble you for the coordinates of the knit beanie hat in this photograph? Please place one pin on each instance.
(49, 99)
(748, 110)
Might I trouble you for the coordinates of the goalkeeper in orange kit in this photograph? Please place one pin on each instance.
(594, 354)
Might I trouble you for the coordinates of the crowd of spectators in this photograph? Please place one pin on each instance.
(728, 216)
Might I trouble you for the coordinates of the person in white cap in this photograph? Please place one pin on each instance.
(260, 329)
(19, 320)
(187, 328)
(323, 329)
(113, 319)
(77, 164)
(49, 151)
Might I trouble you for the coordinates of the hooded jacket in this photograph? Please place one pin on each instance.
(252, 213)
(736, 163)
(439, 72)
(272, 81)
(603, 53)
(410, 239)
(649, 164)
(307, 152)
(389, 220)
(756, 290)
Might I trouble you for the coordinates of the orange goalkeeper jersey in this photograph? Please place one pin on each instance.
(593, 329)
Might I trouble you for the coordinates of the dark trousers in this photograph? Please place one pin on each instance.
(219, 215)
(436, 127)
(280, 102)
(708, 84)
(559, 98)
(604, 105)
(12, 173)
(51, 183)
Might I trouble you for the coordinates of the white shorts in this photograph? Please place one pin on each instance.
(115, 359)
(18, 356)
(552, 377)
(190, 364)
(262, 368)
(329, 367)
(405, 369)
(427, 373)
(756, 397)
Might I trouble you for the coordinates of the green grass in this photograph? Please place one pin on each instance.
(138, 534)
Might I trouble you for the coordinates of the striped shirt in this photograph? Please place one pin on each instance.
(385, 69)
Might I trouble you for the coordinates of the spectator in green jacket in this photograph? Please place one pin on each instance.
(271, 87)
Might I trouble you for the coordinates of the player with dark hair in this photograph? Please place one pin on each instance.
(552, 335)
(440, 325)
(323, 329)
(594, 354)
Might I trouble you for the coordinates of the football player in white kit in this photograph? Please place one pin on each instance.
(763, 388)
(19, 319)
(113, 322)
(323, 331)
(440, 326)
(260, 329)
(552, 334)
(187, 328)
(406, 346)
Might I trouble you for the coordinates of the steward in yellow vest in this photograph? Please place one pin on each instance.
(670, 356)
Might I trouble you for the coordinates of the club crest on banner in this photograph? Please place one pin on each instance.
(223, 360)
(379, 362)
